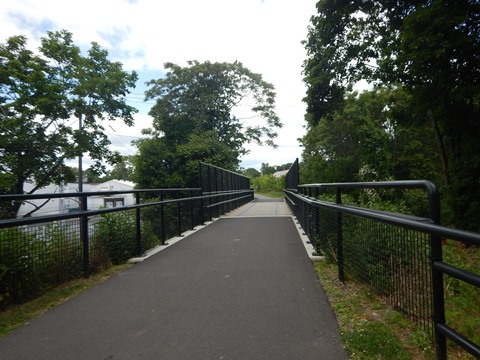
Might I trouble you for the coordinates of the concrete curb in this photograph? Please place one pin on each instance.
(306, 242)
(304, 238)
(169, 243)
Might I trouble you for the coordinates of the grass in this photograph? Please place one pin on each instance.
(368, 327)
(18, 315)
(462, 299)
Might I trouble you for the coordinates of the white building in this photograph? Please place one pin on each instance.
(70, 204)
(280, 173)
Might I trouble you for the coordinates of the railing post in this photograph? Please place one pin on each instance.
(200, 175)
(179, 214)
(192, 220)
(162, 218)
(222, 198)
(210, 215)
(341, 274)
(138, 234)
(216, 189)
(437, 275)
(84, 234)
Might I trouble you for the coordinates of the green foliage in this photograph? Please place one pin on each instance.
(429, 51)
(201, 96)
(39, 96)
(20, 272)
(266, 169)
(123, 170)
(252, 173)
(61, 248)
(194, 121)
(117, 233)
(150, 238)
(32, 261)
(354, 143)
(374, 341)
(35, 259)
(268, 183)
(369, 328)
(152, 220)
(391, 261)
(461, 299)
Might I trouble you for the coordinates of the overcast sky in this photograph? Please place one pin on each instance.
(265, 35)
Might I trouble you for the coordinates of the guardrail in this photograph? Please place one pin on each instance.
(399, 256)
(42, 251)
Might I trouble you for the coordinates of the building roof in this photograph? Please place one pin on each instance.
(280, 173)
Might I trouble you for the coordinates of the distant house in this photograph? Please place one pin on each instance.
(69, 204)
(281, 173)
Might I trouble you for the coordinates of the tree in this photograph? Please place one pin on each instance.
(195, 119)
(429, 48)
(266, 169)
(41, 95)
(28, 100)
(124, 170)
(252, 173)
(89, 176)
(354, 143)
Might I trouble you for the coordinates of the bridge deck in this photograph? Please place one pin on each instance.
(262, 206)
(240, 288)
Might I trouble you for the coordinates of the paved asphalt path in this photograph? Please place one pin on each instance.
(262, 206)
(240, 288)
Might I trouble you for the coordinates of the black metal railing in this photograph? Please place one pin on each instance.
(292, 179)
(223, 190)
(46, 250)
(399, 256)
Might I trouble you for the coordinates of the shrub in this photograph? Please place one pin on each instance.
(20, 275)
(35, 258)
(266, 183)
(117, 233)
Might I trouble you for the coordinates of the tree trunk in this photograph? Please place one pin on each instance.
(441, 149)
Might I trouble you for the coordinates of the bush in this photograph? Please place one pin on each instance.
(61, 251)
(20, 274)
(117, 233)
(267, 183)
(461, 298)
(32, 260)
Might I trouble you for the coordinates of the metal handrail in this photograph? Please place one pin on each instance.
(431, 227)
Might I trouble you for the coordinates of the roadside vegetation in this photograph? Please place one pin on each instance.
(265, 183)
(269, 185)
(368, 327)
(419, 119)
(371, 329)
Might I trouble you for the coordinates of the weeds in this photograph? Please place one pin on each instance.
(369, 328)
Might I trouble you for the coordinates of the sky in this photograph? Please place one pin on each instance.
(265, 35)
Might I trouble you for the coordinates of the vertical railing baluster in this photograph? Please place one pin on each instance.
(138, 230)
(341, 274)
(162, 218)
(84, 234)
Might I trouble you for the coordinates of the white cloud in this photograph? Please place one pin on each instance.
(264, 35)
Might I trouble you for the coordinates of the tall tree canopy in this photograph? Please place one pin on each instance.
(42, 99)
(431, 49)
(195, 118)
